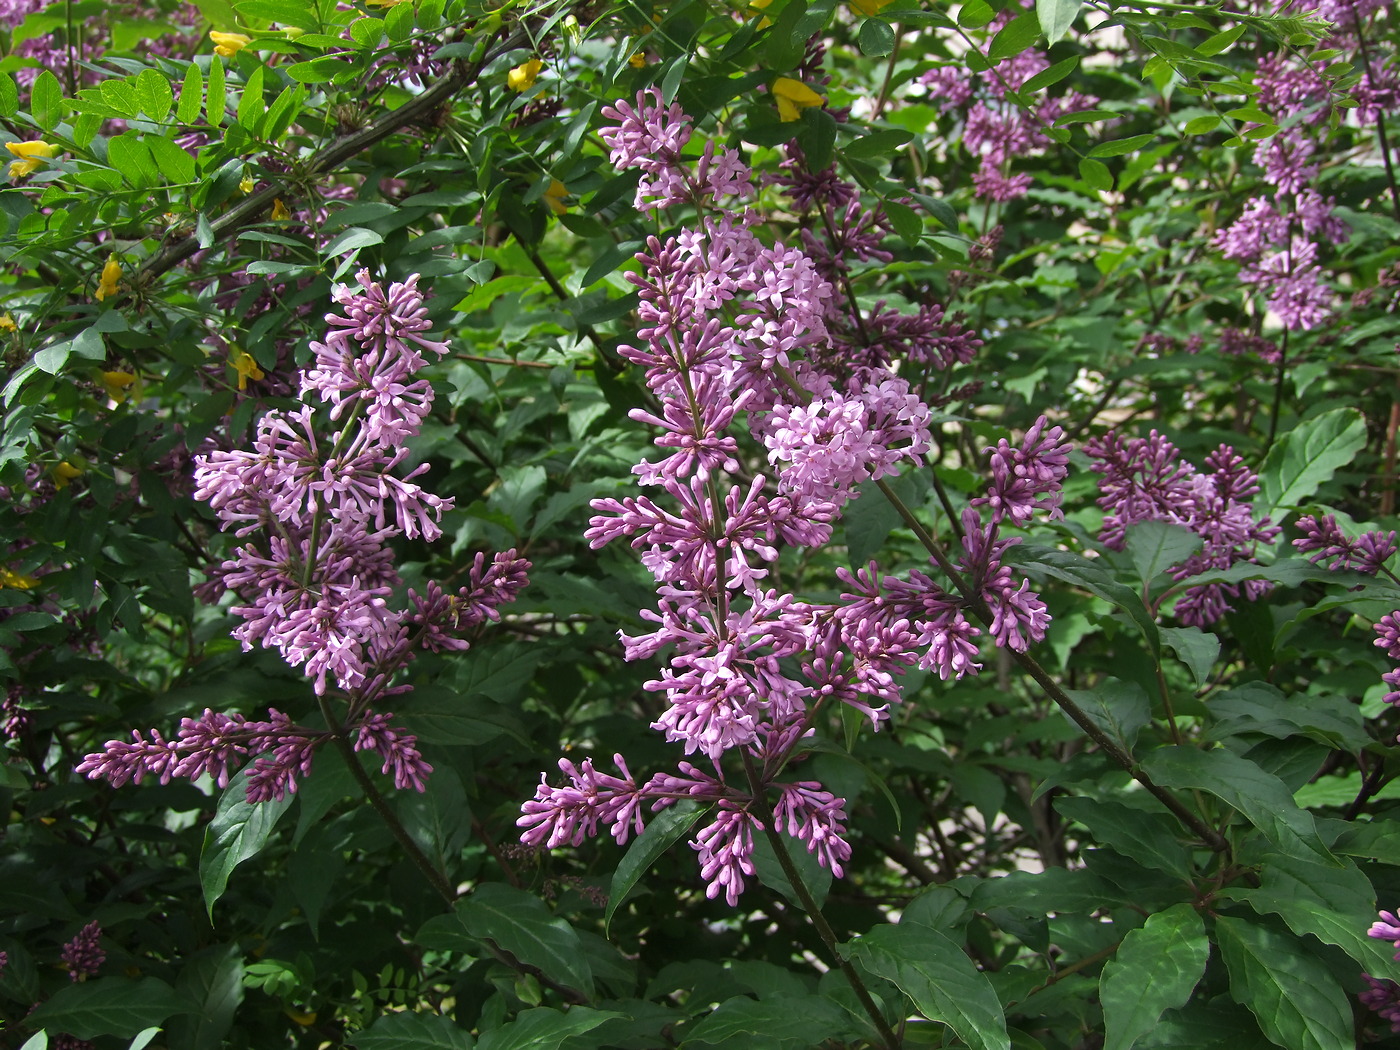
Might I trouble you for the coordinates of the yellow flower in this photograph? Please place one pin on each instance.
(638, 61)
(279, 211)
(247, 369)
(32, 156)
(118, 384)
(228, 44)
(18, 580)
(7, 323)
(554, 196)
(793, 97)
(382, 3)
(760, 5)
(306, 1020)
(870, 7)
(246, 184)
(522, 77)
(63, 474)
(111, 273)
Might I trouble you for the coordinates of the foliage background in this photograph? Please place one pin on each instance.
(1009, 884)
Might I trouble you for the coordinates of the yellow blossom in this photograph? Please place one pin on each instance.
(17, 580)
(246, 368)
(246, 184)
(63, 474)
(760, 5)
(111, 273)
(32, 156)
(306, 1020)
(118, 384)
(7, 323)
(869, 7)
(554, 196)
(279, 211)
(793, 97)
(638, 61)
(227, 45)
(522, 77)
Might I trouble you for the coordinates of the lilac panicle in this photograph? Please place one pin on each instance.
(83, 956)
(315, 578)
(1323, 540)
(1145, 480)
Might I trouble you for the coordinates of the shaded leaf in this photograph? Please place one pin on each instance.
(238, 831)
(668, 826)
(108, 1006)
(1155, 969)
(1307, 456)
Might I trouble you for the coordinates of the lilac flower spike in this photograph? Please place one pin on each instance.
(315, 579)
(83, 955)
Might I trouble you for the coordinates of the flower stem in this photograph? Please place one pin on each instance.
(814, 912)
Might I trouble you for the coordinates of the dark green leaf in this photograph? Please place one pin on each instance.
(1117, 707)
(791, 1022)
(521, 924)
(107, 1006)
(1155, 546)
(1118, 147)
(1196, 649)
(1155, 969)
(1096, 174)
(1290, 991)
(1261, 797)
(1151, 839)
(46, 101)
(878, 143)
(876, 38)
(940, 979)
(412, 1031)
(1306, 456)
(666, 828)
(543, 1029)
(238, 832)
(770, 871)
(1053, 74)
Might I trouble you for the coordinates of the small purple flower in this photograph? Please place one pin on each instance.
(83, 955)
(725, 852)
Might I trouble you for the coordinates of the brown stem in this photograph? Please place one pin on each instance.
(342, 149)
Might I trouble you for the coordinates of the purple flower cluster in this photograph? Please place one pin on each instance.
(996, 131)
(83, 956)
(1383, 996)
(1323, 539)
(733, 327)
(1144, 479)
(316, 579)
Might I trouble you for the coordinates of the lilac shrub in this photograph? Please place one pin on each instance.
(735, 332)
(318, 503)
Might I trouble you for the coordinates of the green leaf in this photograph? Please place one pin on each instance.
(191, 96)
(1096, 174)
(213, 982)
(1257, 707)
(412, 1031)
(131, 155)
(46, 101)
(1148, 838)
(347, 241)
(666, 828)
(975, 14)
(251, 106)
(876, 38)
(1080, 571)
(1117, 707)
(905, 221)
(174, 163)
(938, 976)
(770, 871)
(1307, 456)
(1118, 147)
(1290, 991)
(1202, 125)
(543, 1029)
(1155, 546)
(1196, 649)
(1261, 797)
(878, 143)
(1335, 905)
(1014, 37)
(9, 96)
(156, 96)
(238, 832)
(217, 100)
(108, 1006)
(1155, 969)
(521, 924)
(1053, 74)
(791, 1022)
(1220, 41)
(1056, 16)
